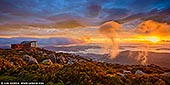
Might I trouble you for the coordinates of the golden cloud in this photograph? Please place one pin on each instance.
(151, 27)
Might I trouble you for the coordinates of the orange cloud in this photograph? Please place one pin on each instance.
(151, 27)
(109, 29)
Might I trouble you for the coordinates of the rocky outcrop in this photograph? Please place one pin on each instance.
(30, 59)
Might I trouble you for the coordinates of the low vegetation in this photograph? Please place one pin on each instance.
(82, 72)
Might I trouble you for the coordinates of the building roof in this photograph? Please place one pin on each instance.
(27, 42)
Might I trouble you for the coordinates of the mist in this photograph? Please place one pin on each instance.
(109, 30)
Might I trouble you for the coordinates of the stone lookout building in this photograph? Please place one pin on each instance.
(24, 44)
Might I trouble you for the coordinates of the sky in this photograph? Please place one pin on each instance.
(82, 19)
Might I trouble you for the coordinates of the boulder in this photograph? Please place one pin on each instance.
(47, 61)
(30, 59)
(26, 58)
(71, 61)
(52, 57)
(62, 59)
(121, 74)
(140, 72)
(39, 52)
(127, 72)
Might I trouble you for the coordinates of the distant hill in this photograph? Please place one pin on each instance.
(42, 41)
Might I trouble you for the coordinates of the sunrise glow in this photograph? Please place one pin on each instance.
(153, 39)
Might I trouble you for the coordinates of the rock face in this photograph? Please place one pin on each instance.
(30, 59)
(52, 57)
(47, 61)
(140, 72)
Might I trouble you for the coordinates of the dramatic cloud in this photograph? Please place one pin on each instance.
(142, 5)
(159, 15)
(154, 28)
(83, 8)
(20, 15)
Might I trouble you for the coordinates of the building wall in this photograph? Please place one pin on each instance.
(27, 45)
(16, 46)
(24, 45)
